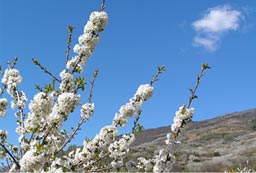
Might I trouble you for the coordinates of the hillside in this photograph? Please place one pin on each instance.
(219, 144)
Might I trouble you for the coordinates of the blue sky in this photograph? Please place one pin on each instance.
(140, 36)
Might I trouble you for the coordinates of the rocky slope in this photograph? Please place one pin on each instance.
(223, 143)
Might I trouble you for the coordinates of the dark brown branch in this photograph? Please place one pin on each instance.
(8, 152)
(79, 60)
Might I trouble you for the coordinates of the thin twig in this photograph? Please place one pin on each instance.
(22, 121)
(102, 6)
(70, 32)
(8, 164)
(137, 127)
(45, 69)
(8, 152)
(70, 137)
(2, 90)
(79, 60)
(31, 137)
(193, 91)
(49, 130)
(95, 74)
(160, 69)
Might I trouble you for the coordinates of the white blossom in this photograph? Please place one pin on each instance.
(66, 102)
(127, 110)
(87, 41)
(40, 108)
(99, 19)
(145, 164)
(120, 148)
(41, 105)
(31, 161)
(3, 106)
(19, 100)
(145, 92)
(87, 111)
(169, 139)
(119, 120)
(3, 135)
(181, 115)
(163, 161)
(67, 82)
(11, 77)
(74, 62)
(40, 135)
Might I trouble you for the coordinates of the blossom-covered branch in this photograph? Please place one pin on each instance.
(41, 136)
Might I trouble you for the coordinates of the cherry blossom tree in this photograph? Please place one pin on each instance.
(41, 138)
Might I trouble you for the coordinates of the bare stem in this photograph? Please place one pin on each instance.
(79, 60)
(160, 69)
(22, 121)
(70, 32)
(48, 133)
(36, 62)
(13, 64)
(2, 90)
(137, 127)
(199, 77)
(70, 137)
(96, 72)
(102, 6)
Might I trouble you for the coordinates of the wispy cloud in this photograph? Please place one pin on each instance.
(216, 21)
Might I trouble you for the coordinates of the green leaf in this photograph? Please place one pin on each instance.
(195, 97)
(206, 66)
(80, 82)
(48, 88)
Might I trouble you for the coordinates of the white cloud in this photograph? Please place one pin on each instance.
(210, 44)
(214, 23)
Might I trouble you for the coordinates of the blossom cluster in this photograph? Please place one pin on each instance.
(3, 106)
(67, 82)
(87, 111)
(143, 93)
(87, 41)
(41, 138)
(3, 135)
(182, 115)
(119, 149)
(40, 107)
(11, 79)
(66, 103)
(48, 110)
(104, 143)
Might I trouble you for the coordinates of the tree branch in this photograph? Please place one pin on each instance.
(70, 32)
(70, 137)
(8, 152)
(45, 69)
(102, 6)
(193, 91)
(96, 72)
